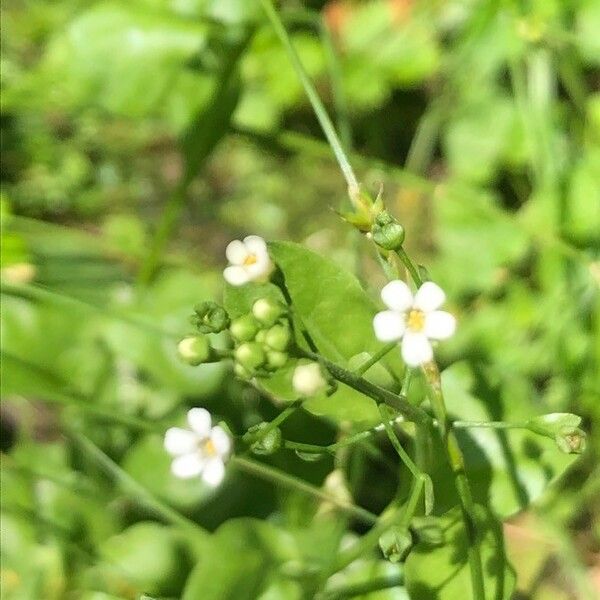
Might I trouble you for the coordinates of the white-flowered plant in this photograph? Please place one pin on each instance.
(414, 319)
(249, 261)
(201, 450)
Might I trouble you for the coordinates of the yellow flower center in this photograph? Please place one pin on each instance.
(208, 448)
(250, 260)
(415, 321)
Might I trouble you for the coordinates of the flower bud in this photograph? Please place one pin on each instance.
(395, 544)
(194, 349)
(387, 232)
(268, 443)
(308, 380)
(563, 428)
(250, 355)
(276, 360)
(210, 317)
(267, 311)
(244, 328)
(278, 337)
(241, 371)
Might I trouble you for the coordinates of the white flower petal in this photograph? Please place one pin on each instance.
(416, 349)
(200, 421)
(261, 269)
(396, 295)
(439, 325)
(187, 466)
(214, 471)
(256, 245)
(180, 441)
(236, 275)
(389, 326)
(236, 252)
(220, 440)
(429, 296)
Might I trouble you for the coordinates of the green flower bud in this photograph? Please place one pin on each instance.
(395, 544)
(261, 336)
(563, 428)
(276, 360)
(278, 337)
(194, 349)
(244, 328)
(250, 355)
(210, 317)
(387, 232)
(571, 441)
(267, 311)
(241, 371)
(268, 443)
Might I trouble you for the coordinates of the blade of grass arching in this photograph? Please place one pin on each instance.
(293, 141)
(315, 101)
(131, 487)
(35, 381)
(197, 144)
(44, 295)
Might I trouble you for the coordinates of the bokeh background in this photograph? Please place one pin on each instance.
(139, 137)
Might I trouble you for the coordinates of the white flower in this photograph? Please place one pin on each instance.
(415, 320)
(199, 451)
(308, 380)
(249, 260)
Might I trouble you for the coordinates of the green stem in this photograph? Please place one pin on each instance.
(400, 516)
(130, 485)
(404, 457)
(364, 367)
(489, 425)
(359, 589)
(379, 394)
(314, 99)
(278, 420)
(410, 266)
(457, 464)
(277, 477)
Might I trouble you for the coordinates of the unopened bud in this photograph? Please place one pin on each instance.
(395, 544)
(244, 328)
(563, 428)
(267, 311)
(268, 443)
(387, 232)
(210, 317)
(250, 355)
(276, 360)
(278, 337)
(194, 349)
(308, 380)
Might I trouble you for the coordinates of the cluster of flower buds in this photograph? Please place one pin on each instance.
(262, 338)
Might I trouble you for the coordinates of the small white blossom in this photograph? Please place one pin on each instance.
(413, 319)
(249, 261)
(308, 380)
(200, 450)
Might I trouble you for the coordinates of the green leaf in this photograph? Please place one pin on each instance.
(508, 469)
(123, 58)
(442, 571)
(239, 562)
(148, 557)
(467, 260)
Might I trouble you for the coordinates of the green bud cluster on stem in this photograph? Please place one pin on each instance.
(387, 232)
(262, 338)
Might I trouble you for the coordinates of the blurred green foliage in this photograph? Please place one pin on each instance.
(139, 137)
